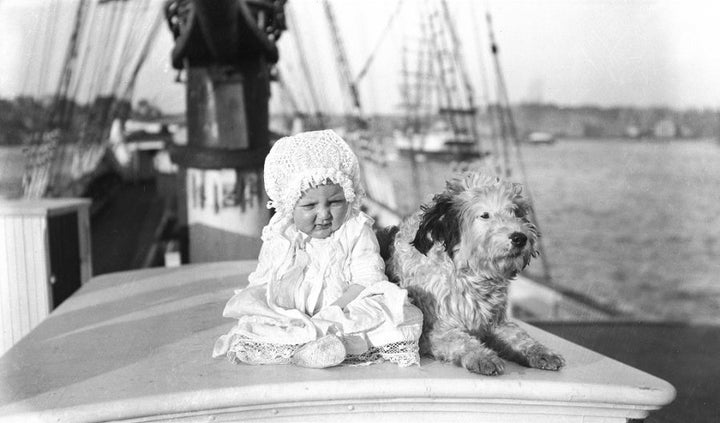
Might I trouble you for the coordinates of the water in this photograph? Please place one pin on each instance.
(633, 224)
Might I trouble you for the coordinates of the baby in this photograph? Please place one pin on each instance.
(319, 295)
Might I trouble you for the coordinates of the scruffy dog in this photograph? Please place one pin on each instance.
(456, 257)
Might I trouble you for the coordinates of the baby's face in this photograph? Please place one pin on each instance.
(321, 210)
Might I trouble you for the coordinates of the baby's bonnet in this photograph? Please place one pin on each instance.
(307, 159)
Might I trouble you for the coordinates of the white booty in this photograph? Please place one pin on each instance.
(325, 352)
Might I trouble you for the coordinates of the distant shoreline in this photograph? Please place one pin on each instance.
(635, 140)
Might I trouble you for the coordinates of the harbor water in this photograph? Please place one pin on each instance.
(633, 224)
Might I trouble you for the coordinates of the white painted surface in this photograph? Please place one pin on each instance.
(24, 271)
(223, 224)
(136, 346)
(25, 285)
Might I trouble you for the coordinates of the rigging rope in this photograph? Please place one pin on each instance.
(86, 84)
(286, 71)
(40, 152)
(485, 92)
(85, 54)
(60, 102)
(516, 141)
(461, 68)
(296, 36)
(102, 66)
(437, 50)
(128, 46)
(96, 63)
(285, 91)
(49, 41)
(144, 52)
(364, 69)
(30, 64)
(347, 83)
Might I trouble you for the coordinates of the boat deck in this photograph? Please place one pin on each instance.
(135, 346)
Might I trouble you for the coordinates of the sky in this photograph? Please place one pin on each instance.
(568, 52)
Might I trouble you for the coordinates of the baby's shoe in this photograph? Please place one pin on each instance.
(325, 352)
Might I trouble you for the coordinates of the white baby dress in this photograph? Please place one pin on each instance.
(288, 300)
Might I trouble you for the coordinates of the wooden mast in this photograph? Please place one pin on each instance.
(226, 49)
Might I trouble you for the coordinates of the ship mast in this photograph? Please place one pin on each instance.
(227, 49)
(457, 94)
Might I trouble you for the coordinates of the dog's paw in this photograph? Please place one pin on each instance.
(483, 363)
(540, 357)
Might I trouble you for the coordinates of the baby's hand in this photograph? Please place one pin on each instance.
(350, 294)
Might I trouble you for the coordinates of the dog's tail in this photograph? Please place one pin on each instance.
(386, 238)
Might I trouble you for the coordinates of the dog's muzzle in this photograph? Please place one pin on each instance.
(518, 239)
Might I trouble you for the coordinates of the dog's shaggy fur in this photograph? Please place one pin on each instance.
(456, 258)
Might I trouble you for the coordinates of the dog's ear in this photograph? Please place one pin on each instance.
(441, 222)
(523, 207)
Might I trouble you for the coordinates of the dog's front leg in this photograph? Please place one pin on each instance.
(515, 344)
(463, 349)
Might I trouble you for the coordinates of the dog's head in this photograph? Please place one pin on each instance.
(483, 223)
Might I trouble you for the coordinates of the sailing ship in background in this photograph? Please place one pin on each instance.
(445, 127)
(441, 120)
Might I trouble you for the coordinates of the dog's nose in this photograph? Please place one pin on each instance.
(518, 239)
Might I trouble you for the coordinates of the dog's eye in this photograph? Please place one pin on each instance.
(485, 215)
(519, 212)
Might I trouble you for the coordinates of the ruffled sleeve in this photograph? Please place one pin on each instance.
(366, 265)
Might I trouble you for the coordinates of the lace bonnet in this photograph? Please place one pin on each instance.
(308, 159)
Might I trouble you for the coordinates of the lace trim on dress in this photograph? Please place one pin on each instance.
(404, 354)
(244, 350)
